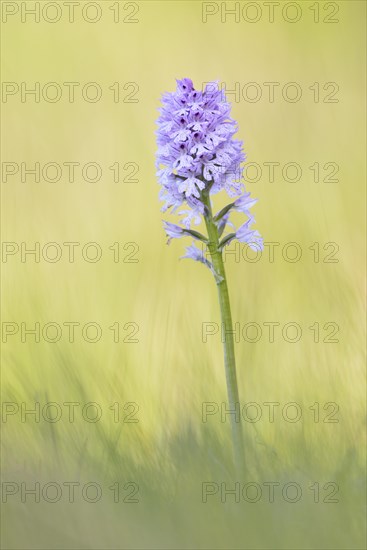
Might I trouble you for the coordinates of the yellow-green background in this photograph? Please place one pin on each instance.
(170, 372)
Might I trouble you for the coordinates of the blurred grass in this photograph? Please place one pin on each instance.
(170, 372)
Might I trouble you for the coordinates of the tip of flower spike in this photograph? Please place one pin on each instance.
(185, 85)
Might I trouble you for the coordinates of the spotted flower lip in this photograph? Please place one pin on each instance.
(197, 154)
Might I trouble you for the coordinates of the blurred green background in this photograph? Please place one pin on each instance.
(170, 371)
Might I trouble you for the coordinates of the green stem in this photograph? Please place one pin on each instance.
(228, 345)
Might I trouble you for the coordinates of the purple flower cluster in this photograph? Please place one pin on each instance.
(197, 154)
